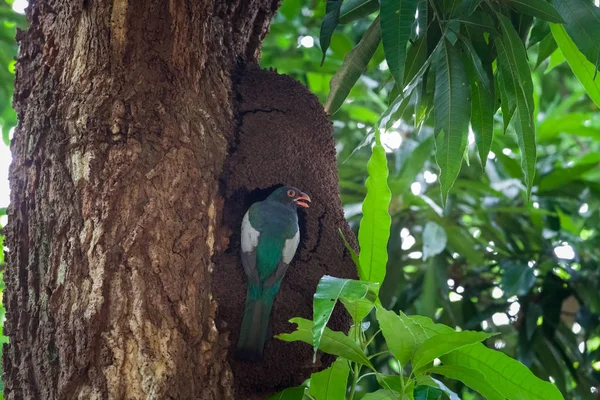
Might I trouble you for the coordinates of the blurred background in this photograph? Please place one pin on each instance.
(490, 260)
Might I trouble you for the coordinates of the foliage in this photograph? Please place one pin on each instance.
(485, 38)
(526, 268)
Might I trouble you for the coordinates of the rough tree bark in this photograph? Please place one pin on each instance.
(125, 111)
(121, 200)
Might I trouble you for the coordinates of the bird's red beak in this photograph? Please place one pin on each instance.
(302, 200)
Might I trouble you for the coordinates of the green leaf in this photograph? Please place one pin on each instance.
(561, 176)
(582, 22)
(354, 9)
(382, 394)
(508, 376)
(540, 30)
(575, 123)
(352, 252)
(330, 22)
(517, 280)
(358, 298)
(424, 392)
(330, 384)
(417, 54)
(386, 118)
(402, 334)
(568, 224)
(421, 21)
(483, 106)
(452, 113)
(547, 47)
(390, 382)
(294, 393)
(397, 17)
(537, 8)
(375, 224)
(470, 377)
(508, 110)
(512, 61)
(354, 64)
(434, 240)
(556, 59)
(475, 63)
(444, 343)
(332, 342)
(581, 67)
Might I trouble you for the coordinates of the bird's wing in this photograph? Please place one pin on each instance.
(249, 238)
(287, 254)
(289, 249)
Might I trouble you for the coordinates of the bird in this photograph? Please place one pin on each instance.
(269, 239)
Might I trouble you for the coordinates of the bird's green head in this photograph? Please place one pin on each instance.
(290, 196)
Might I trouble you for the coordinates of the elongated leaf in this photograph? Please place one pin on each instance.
(354, 9)
(354, 64)
(537, 8)
(330, 22)
(417, 54)
(581, 67)
(424, 392)
(508, 110)
(475, 63)
(391, 382)
(561, 176)
(358, 298)
(353, 253)
(508, 376)
(386, 118)
(470, 377)
(512, 60)
(540, 30)
(582, 22)
(517, 280)
(397, 17)
(556, 59)
(332, 342)
(445, 389)
(330, 384)
(419, 27)
(483, 106)
(547, 47)
(402, 334)
(445, 343)
(382, 394)
(452, 113)
(375, 224)
(570, 123)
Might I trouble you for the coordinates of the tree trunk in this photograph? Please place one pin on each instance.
(125, 111)
(124, 199)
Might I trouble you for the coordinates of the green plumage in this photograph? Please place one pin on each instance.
(269, 240)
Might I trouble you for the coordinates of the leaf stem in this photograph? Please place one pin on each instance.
(401, 374)
(354, 380)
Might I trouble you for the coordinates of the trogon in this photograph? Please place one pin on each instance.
(269, 239)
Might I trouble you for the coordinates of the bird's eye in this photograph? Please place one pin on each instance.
(291, 193)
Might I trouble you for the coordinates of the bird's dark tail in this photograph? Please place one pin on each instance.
(255, 326)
